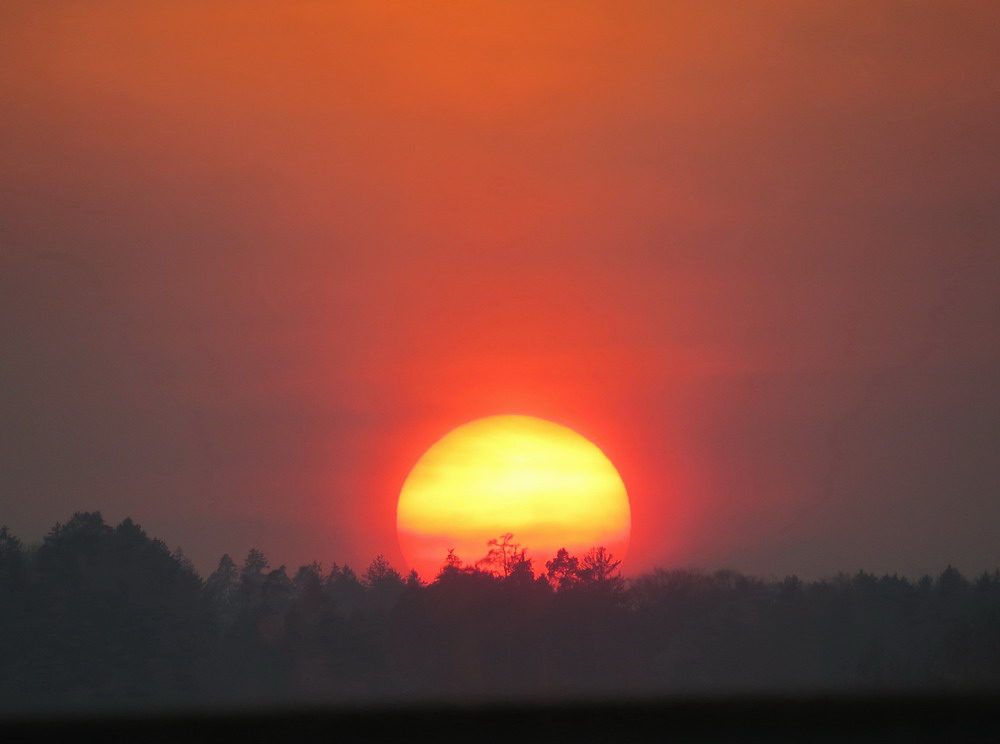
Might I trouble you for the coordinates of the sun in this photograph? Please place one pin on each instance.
(541, 481)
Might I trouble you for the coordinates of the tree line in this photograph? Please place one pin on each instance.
(102, 616)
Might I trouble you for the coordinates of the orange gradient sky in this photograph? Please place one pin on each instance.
(257, 256)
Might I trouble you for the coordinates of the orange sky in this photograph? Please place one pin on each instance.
(258, 256)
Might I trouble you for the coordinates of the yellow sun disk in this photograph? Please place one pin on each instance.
(542, 481)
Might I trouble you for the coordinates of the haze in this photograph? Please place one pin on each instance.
(256, 257)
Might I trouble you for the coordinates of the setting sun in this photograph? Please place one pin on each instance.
(543, 482)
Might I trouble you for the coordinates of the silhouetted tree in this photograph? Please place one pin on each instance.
(15, 620)
(312, 605)
(222, 591)
(598, 566)
(988, 581)
(255, 563)
(277, 591)
(120, 605)
(344, 588)
(71, 551)
(413, 580)
(503, 555)
(520, 571)
(380, 571)
(12, 564)
(183, 561)
(452, 565)
(308, 581)
(384, 583)
(563, 569)
(951, 583)
(252, 581)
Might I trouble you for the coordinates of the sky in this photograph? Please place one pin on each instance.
(256, 257)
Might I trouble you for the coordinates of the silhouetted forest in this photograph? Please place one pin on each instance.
(105, 616)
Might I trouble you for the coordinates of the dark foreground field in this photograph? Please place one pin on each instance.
(884, 719)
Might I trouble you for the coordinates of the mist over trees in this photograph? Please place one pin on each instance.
(106, 616)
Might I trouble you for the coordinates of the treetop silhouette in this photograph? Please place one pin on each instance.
(108, 614)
